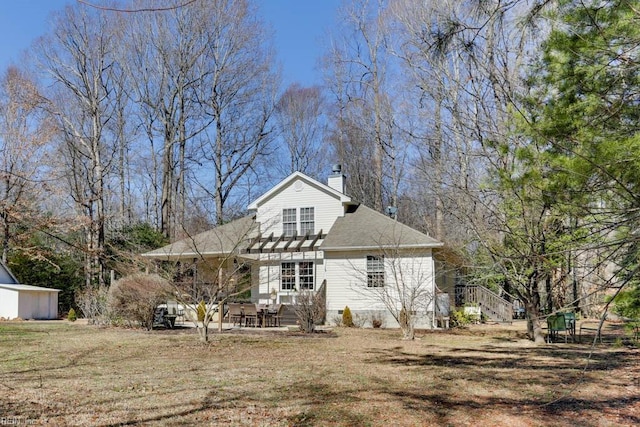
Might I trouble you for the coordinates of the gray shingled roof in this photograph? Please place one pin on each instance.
(222, 240)
(367, 229)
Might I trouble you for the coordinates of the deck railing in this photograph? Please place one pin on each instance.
(491, 304)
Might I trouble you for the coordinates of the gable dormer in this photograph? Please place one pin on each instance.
(299, 205)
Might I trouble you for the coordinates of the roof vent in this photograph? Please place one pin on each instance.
(337, 169)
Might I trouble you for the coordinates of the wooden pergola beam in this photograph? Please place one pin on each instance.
(267, 240)
(304, 239)
(291, 240)
(315, 239)
(273, 248)
(254, 241)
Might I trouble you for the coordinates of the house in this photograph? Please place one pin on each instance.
(25, 301)
(303, 235)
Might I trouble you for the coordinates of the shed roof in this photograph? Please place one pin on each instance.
(219, 241)
(6, 276)
(18, 287)
(364, 228)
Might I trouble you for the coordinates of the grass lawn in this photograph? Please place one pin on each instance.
(57, 373)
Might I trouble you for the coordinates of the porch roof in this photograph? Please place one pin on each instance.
(223, 240)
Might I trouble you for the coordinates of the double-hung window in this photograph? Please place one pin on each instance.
(307, 221)
(305, 275)
(289, 222)
(288, 276)
(297, 276)
(375, 271)
(290, 225)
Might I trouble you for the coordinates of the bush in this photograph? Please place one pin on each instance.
(136, 297)
(310, 310)
(92, 302)
(72, 316)
(202, 311)
(459, 318)
(347, 318)
(376, 320)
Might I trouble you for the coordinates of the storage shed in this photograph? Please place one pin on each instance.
(25, 301)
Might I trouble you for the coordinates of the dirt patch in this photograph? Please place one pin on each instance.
(74, 374)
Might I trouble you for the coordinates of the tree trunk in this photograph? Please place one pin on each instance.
(534, 327)
(203, 332)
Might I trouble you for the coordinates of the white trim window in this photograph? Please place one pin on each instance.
(307, 221)
(290, 225)
(288, 276)
(297, 276)
(289, 222)
(375, 271)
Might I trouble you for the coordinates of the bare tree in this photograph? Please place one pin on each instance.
(301, 126)
(310, 309)
(360, 77)
(239, 96)
(24, 134)
(208, 268)
(395, 276)
(78, 57)
(409, 291)
(166, 61)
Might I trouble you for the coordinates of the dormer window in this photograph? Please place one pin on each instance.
(290, 224)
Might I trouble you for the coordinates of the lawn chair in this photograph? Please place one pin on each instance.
(277, 316)
(555, 324)
(250, 315)
(570, 322)
(235, 313)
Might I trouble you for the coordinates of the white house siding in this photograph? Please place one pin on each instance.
(8, 303)
(268, 277)
(347, 284)
(299, 194)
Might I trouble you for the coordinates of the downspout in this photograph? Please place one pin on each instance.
(433, 300)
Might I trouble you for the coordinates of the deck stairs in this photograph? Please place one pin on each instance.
(493, 306)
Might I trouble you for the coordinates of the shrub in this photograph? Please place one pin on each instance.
(136, 297)
(202, 311)
(347, 318)
(310, 309)
(376, 320)
(459, 318)
(72, 316)
(92, 302)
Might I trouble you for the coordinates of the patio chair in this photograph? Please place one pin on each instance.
(277, 316)
(570, 321)
(250, 314)
(235, 313)
(158, 316)
(555, 324)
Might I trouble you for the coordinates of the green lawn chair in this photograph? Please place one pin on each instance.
(555, 324)
(570, 322)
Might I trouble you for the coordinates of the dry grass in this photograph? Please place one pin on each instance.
(69, 374)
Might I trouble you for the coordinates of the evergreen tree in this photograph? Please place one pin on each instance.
(583, 117)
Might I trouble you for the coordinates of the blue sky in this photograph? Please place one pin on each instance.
(300, 28)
